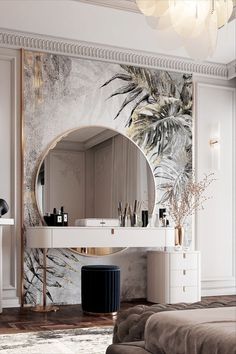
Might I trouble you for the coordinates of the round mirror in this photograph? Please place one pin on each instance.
(89, 178)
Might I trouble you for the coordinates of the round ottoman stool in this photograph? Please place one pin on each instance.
(100, 289)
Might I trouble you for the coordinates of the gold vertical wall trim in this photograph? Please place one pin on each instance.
(22, 173)
(194, 152)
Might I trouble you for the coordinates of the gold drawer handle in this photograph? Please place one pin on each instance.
(184, 272)
(184, 289)
(184, 255)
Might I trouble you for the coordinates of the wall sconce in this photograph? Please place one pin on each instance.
(214, 141)
(215, 153)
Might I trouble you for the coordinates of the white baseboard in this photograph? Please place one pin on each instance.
(220, 286)
(11, 302)
(218, 292)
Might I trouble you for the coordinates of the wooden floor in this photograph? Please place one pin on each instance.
(15, 320)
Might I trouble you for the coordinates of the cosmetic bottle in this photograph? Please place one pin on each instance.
(164, 220)
(144, 218)
(48, 219)
(162, 214)
(54, 217)
(64, 217)
(57, 217)
(59, 220)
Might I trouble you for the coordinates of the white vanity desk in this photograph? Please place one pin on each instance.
(3, 222)
(70, 237)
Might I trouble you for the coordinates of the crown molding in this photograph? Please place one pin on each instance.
(232, 70)
(88, 50)
(125, 5)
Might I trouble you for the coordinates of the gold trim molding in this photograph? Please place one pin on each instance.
(82, 49)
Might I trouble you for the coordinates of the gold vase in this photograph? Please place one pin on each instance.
(179, 235)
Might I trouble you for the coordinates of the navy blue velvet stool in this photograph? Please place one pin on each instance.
(100, 289)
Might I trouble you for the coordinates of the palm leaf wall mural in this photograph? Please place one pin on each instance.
(59, 264)
(160, 122)
(175, 177)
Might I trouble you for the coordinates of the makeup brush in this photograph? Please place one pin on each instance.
(126, 206)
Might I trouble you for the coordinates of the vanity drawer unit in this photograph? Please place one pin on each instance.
(173, 276)
(68, 237)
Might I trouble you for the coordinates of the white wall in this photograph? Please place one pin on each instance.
(10, 171)
(215, 225)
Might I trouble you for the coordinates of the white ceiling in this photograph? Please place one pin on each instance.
(84, 134)
(85, 138)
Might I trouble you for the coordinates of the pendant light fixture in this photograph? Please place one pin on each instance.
(196, 22)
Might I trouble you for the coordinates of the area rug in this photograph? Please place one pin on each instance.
(71, 341)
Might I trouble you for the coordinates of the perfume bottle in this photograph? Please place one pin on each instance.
(162, 216)
(64, 217)
(48, 219)
(57, 217)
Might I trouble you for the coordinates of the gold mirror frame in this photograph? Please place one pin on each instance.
(42, 158)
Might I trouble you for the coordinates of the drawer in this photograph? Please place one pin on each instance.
(186, 277)
(183, 260)
(184, 294)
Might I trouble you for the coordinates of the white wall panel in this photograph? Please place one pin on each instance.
(5, 159)
(10, 171)
(215, 228)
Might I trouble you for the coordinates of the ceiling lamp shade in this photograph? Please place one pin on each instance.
(188, 17)
(204, 45)
(196, 22)
(147, 7)
(161, 6)
(224, 10)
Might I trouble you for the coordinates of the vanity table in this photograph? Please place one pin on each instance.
(72, 237)
(3, 222)
(47, 237)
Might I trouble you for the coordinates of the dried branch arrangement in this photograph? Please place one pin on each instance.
(191, 199)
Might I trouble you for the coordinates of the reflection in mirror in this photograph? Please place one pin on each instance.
(89, 172)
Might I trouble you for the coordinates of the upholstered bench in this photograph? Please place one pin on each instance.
(128, 336)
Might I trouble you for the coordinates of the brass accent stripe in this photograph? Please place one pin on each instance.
(22, 176)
